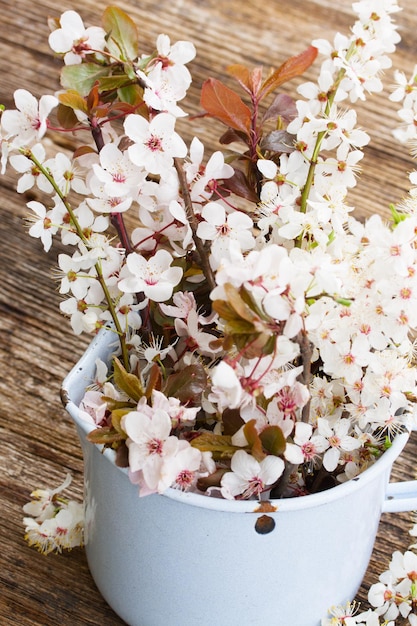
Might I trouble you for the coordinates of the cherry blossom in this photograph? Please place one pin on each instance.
(258, 285)
(29, 122)
(155, 142)
(117, 173)
(156, 278)
(53, 523)
(224, 231)
(74, 41)
(307, 447)
(42, 227)
(338, 439)
(250, 477)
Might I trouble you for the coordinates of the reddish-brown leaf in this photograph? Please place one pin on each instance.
(282, 106)
(256, 80)
(242, 75)
(82, 150)
(294, 66)
(250, 80)
(253, 439)
(225, 105)
(239, 185)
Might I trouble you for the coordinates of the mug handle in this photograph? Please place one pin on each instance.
(401, 497)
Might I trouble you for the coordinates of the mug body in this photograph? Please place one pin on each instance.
(183, 558)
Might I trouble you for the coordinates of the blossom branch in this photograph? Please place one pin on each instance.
(204, 258)
(116, 218)
(110, 305)
(320, 136)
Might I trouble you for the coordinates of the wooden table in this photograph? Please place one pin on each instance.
(38, 441)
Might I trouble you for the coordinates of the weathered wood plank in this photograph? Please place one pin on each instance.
(38, 440)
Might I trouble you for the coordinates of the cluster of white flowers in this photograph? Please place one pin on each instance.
(53, 523)
(283, 307)
(394, 597)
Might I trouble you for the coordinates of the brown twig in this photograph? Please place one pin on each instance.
(192, 220)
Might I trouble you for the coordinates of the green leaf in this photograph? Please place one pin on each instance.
(132, 94)
(105, 435)
(273, 440)
(122, 39)
(110, 83)
(220, 445)
(129, 383)
(82, 77)
(116, 418)
(187, 385)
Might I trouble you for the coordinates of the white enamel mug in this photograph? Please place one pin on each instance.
(182, 559)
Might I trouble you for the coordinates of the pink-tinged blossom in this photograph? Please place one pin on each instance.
(65, 174)
(155, 143)
(339, 439)
(42, 506)
(148, 432)
(201, 177)
(249, 477)
(83, 316)
(183, 467)
(174, 57)
(226, 390)
(160, 458)
(156, 222)
(63, 531)
(127, 312)
(179, 414)
(307, 447)
(29, 122)
(55, 523)
(183, 304)
(156, 277)
(166, 78)
(395, 593)
(93, 408)
(194, 338)
(75, 41)
(116, 172)
(74, 280)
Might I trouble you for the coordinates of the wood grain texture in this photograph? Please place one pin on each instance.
(38, 441)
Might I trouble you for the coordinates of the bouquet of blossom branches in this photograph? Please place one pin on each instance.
(263, 335)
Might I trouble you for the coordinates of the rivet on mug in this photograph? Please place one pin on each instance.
(264, 525)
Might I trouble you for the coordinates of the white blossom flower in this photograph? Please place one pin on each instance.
(118, 175)
(75, 41)
(338, 439)
(307, 447)
(225, 231)
(155, 142)
(28, 123)
(55, 523)
(43, 227)
(156, 278)
(250, 477)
